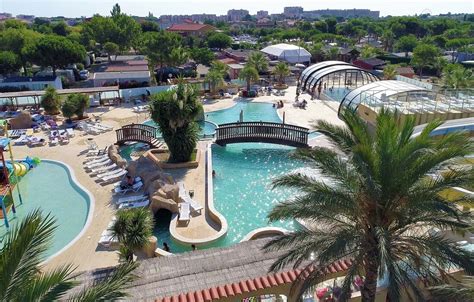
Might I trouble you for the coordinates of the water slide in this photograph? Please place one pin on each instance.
(21, 167)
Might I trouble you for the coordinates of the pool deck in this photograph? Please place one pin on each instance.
(85, 253)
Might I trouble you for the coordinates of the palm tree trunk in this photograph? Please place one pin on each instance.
(248, 85)
(371, 266)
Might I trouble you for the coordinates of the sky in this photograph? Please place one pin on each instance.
(77, 8)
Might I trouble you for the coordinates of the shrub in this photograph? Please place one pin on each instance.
(51, 101)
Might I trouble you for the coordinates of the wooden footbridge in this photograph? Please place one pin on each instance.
(138, 133)
(264, 132)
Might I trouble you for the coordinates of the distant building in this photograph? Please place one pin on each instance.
(234, 15)
(139, 78)
(348, 54)
(370, 64)
(240, 55)
(27, 18)
(32, 83)
(343, 13)
(191, 29)
(265, 23)
(293, 11)
(406, 72)
(262, 14)
(5, 16)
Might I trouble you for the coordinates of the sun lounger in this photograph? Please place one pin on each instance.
(103, 127)
(99, 159)
(23, 139)
(133, 198)
(132, 205)
(105, 174)
(113, 176)
(103, 163)
(70, 132)
(186, 198)
(184, 212)
(134, 188)
(34, 141)
(103, 169)
(53, 140)
(107, 239)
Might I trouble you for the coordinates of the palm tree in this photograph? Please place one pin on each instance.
(215, 79)
(462, 291)
(178, 56)
(456, 76)
(21, 276)
(281, 71)
(258, 61)
(132, 228)
(248, 74)
(389, 72)
(374, 205)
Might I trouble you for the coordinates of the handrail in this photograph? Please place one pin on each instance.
(136, 132)
(277, 133)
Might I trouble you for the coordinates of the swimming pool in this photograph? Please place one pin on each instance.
(337, 93)
(52, 188)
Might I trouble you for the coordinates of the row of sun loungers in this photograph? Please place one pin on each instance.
(94, 128)
(31, 141)
(187, 204)
(141, 109)
(104, 169)
(131, 202)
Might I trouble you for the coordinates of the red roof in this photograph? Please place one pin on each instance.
(250, 285)
(190, 27)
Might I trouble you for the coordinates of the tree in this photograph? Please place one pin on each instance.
(18, 41)
(56, 52)
(317, 52)
(132, 228)
(366, 208)
(175, 112)
(179, 56)
(368, 52)
(281, 71)
(439, 63)
(219, 41)
(332, 53)
(456, 77)
(158, 47)
(51, 101)
(68, 108)
(22, 280)
(202, 56)
(99, 29)
(424, 55)
(388, 37)
(116, 11)
(406, 44)
(215, 79)
(248, 74)
(258, 61)
(9, 63)
(462, 291)
(81, 103)
(60, 28)
(149, 26)
(389, 72)
(111, 49)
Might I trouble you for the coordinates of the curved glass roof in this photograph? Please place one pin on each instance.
(380, 92)
(318, 66)
(315, 77)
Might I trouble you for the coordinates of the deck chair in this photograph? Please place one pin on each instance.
(184, 212)
(135, 188)
(186, 198)
(103, 169)
(133, 205)
(98, 164)
(23, 139)
(134, 198)
(113, 176)
(108, 173)
(70, 132)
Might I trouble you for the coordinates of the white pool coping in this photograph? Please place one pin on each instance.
(89, 214)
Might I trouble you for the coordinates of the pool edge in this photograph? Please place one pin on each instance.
(86, 226)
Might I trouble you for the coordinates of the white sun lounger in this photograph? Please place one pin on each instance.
(70, 132)
(103, 169)
(108, 173)
(106, 239)
(103, 127)
(184, 212)
(113, 176)
(186, 198)
(23, 139)
(135, 188)
(98, 164)
(97, 159)
(53, 141)
(133, 198)
(133, 205)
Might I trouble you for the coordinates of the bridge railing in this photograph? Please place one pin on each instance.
(136, 132)
(265, 130)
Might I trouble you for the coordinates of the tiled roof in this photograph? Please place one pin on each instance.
(249, 285)
(209, 274)
(189, 27)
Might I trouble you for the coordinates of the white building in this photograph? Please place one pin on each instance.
(107, 78)
(32, 83)
(288, 53)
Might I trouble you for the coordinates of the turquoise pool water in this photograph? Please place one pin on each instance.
(337, 93)
(244, 172)
(205, 128)
(50, 188)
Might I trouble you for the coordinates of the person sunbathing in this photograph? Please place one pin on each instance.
(127, 182)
